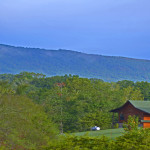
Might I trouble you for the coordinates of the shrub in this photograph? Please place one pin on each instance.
(71, 142)
(138, 140)
(131, 124)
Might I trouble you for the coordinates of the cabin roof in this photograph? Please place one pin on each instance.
(138, 104)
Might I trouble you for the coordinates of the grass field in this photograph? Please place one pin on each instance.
(111, 133)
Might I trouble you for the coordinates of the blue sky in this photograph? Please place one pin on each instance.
(107, 27)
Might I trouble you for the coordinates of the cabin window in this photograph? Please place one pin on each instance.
(121, 116)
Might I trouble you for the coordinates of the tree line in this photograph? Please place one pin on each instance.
(35, 108)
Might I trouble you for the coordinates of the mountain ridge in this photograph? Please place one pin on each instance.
(46, 49)
(59, 62)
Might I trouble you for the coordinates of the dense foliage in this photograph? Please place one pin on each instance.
(30, 103)
(23, 125)
(74, 103)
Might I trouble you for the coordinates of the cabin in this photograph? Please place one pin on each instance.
(137, 108)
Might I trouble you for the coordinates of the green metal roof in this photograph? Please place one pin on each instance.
(141, 105)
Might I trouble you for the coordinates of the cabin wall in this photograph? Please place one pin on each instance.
(146, 124)
(127, 110)
(146, 117)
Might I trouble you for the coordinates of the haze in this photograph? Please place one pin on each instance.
(106, 27)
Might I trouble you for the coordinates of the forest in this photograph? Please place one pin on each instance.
(35, 109)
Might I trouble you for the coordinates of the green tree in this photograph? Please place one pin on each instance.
(23, 124)
(145, 89)
(131, 93)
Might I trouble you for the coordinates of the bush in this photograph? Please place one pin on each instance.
(131, 124)
(138, 140)
(71, 142)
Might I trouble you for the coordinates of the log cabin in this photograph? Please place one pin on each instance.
(134, 107)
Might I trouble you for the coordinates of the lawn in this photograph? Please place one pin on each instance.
(111, 133)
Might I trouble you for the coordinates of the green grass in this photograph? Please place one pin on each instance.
(111, 133)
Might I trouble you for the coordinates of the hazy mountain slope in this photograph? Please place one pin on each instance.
(60, 62)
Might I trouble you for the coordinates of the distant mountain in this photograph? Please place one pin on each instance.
(60, 62)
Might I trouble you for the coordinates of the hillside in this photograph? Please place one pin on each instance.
(60, 62)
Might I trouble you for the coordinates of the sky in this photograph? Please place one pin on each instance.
(105, 27)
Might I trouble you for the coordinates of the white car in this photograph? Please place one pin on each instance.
(95, 128)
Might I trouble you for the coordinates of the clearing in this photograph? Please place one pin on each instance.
(111, 133)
